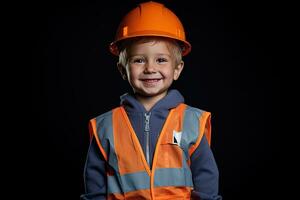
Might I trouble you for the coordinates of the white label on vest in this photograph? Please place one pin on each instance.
(177, 137)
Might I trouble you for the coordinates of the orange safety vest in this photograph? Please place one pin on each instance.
(129, 175)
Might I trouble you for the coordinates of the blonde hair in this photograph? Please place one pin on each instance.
(174, 48)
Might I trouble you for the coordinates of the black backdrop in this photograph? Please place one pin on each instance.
(229, 72)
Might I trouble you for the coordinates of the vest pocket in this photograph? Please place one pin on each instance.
(169, 156)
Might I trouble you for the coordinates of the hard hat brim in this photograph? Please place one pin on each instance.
(186, 46)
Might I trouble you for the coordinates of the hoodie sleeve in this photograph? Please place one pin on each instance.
(94, 174)
(205, 173)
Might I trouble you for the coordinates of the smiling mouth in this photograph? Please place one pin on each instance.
(154, 80)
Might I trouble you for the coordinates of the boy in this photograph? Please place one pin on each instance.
(153, 146)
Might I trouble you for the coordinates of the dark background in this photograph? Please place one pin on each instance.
(230, 72)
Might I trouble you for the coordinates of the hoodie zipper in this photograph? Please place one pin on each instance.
(147, 133)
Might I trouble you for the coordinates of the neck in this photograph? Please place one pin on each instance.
(149, 101)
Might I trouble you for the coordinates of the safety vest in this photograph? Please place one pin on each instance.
(128, 173)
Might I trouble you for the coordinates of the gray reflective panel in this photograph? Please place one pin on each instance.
(129, 182)
(173, 177)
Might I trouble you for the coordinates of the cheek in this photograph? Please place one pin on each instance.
(170, 74)
(132, 73)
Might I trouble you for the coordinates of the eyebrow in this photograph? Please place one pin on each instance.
(158, 54)
(163, 54)
(136, 55)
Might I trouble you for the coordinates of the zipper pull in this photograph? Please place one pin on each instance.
(147, 120)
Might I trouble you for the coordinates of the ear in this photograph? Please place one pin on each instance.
(122, 70)
(178, 70)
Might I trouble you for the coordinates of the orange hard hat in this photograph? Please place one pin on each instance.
(151, 19)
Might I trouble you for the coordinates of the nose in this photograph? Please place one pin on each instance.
(150, 67)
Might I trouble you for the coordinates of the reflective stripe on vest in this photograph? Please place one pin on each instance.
(129, 175)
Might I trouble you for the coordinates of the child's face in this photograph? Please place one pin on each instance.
(151, 68)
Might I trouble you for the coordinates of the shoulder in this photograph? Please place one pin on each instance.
(104, 117)
(190, 110)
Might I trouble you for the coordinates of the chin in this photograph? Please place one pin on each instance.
(151, 94)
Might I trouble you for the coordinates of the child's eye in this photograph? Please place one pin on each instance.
(138, 60)
(160, 60)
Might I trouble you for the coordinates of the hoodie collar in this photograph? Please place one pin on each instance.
(171, 100)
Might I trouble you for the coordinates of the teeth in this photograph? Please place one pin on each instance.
(151, 80)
